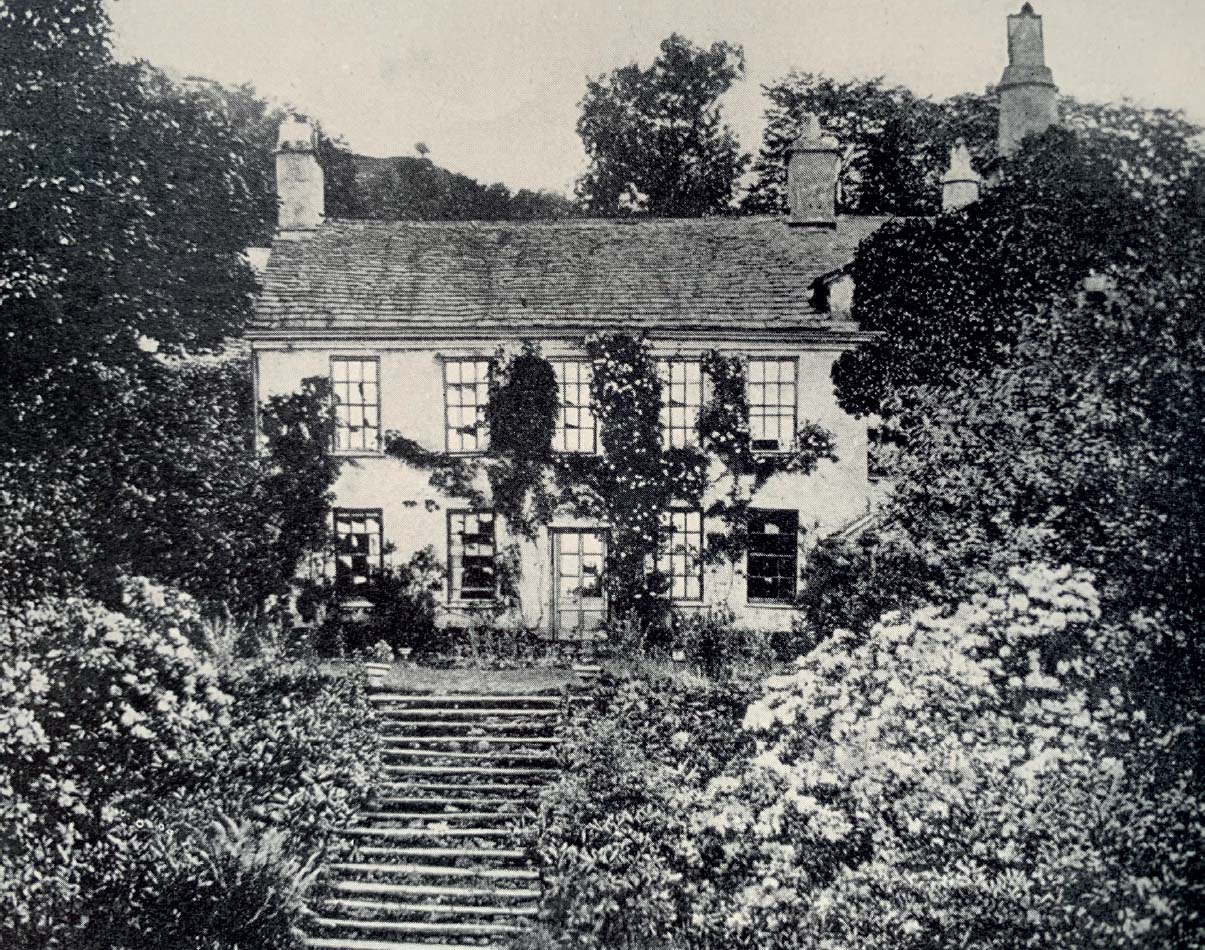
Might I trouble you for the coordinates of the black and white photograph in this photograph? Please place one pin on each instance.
(602, 474)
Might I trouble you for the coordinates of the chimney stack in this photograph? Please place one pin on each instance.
(812, 176)
(961, 183)
(299, 181)
(1028, 95)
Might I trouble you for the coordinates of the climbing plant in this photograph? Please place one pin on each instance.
(633, 481)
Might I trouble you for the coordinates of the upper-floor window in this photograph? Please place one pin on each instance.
(358, 548)
(576, 427)
(680, 552)
(355, 384)
(466, 394)
(772, 401)
(471, 550)
(681, 400)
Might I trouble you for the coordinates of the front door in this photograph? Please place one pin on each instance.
(579, 596)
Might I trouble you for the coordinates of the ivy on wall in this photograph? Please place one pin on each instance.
(633, 481)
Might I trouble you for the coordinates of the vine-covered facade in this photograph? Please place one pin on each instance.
(583, 419)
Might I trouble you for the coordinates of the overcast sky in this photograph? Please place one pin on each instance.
(492, 86)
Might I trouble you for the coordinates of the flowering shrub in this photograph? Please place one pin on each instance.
(949, 779)
(622, 869)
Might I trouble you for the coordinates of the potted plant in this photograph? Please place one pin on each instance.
(378, 662)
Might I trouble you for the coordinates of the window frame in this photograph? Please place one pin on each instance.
(778, 415)
(587, 407)
(455, 591)
(351, 514)
(483, 432)
(662, 556)
(335, 383)
(788, 514)
(692, 438)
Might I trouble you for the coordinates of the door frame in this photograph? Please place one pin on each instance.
(554, 535)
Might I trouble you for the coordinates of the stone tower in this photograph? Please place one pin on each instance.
(1028, 95)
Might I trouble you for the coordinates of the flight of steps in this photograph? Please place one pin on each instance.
(440, 860)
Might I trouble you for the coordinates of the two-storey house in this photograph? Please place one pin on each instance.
(405, 318)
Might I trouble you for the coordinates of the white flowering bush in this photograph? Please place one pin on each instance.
(980, 778)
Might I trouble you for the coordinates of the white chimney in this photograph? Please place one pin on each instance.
(961, 183)
(812, 176)
(1028, 95)
(299, 181)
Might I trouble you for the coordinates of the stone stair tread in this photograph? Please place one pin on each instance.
(486, 755)
(434, 870)
(380, 832)
(450, 802)
(511, 854)
(469, 910)
(462, 770)
(524, 789)
(433, 890)
(402, 926)
(443, 815)
(350, 943)
(487, 740)
(437, 711)
(465, 697)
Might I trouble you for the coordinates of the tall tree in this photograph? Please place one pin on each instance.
(895, 144)
(656, 137)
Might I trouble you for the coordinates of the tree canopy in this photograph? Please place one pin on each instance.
(656, 138)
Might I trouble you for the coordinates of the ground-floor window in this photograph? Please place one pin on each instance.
(773, 559)
(471, 552)
(680, 552)
(358, 547)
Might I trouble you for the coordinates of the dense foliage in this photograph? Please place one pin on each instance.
(656, 138)
(121, 744)
(895, 144)
(950, 294)
(157, 475)
(965, 778)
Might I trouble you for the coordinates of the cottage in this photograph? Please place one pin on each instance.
(407, 319)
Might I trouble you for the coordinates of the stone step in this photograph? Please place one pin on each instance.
(446, 712)
(435, 870)
(490, 755)
(450, 854)
(470, 740)
(379, 832)
(477, 801)
(431, 890)
(485, 816)
(518, 790)
(345, 943)
(466, 770)
(452, 699)
(434, 909)
(417, 927)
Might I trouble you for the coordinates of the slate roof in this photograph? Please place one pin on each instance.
(418, 278)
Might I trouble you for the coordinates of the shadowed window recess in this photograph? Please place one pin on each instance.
(472, 574)
(358, 550)
(355, 383)
(773, 559)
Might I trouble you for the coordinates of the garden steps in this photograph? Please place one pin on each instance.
(437, 861)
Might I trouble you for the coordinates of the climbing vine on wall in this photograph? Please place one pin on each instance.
(633, 480)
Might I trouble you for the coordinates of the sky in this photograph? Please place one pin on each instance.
(492, 86)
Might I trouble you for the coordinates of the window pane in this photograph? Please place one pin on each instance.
(358, 547)
(471, 550)
(356, 393)
(576, 425)
(772, 562)
(772, 392)
(466, 395)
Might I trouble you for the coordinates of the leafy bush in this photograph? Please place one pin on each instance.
(621, 867)
(955, 778)
(714, 646)
(227, 885)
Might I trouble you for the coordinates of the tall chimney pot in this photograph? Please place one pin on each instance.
(1028, 95)
(812, 176)
(961, 183)
(300, 185)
